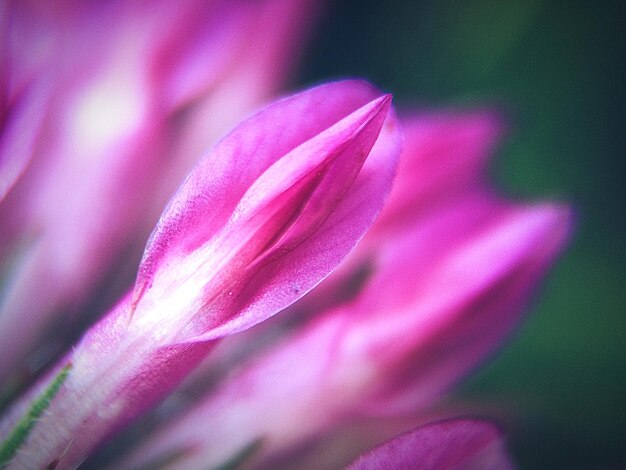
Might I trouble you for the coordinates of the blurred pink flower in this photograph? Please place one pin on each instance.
(104, 107)
(263, 218)
(435, 286)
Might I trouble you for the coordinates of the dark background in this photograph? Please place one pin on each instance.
(556, 67)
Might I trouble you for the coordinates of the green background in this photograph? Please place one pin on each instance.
(556, 68)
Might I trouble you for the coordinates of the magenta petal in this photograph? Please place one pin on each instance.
(448, 311)
(201, 42)
(455, 444)
(202, 205)
(277, 199)
(206, 46)
(285, 275)
(444, 153)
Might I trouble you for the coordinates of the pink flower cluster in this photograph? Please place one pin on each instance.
(395, 267)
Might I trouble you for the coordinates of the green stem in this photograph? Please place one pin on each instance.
(242, 456)
(23, 428)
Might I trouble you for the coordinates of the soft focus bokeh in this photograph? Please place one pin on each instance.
(554, 69)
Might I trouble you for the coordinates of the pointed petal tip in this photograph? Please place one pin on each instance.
(382, 105)
(387, 98)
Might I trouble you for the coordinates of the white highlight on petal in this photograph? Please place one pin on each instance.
(105, 111)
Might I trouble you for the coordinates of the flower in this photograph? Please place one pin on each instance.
(436, 285)
(105, 108)
(261, 219)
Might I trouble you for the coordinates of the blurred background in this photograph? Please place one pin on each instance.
(559, 387)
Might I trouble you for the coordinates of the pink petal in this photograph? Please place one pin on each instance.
(466, 277)
(455, 444)
(444, 154)
(205, 45)
(190, 68)
(293, 163)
